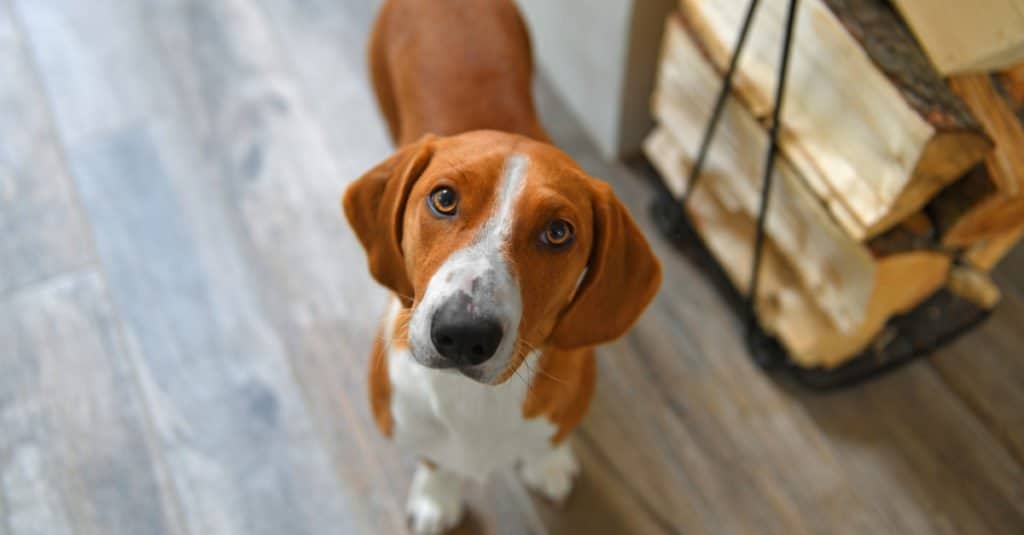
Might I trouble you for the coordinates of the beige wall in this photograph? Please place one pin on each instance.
(600, 55)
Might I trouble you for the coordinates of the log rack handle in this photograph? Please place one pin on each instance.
(764, 352)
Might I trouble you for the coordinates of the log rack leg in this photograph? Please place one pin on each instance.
(668, 212)
(764, 349)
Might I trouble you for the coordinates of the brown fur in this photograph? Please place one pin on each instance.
(452, 66)
(562, 388)
(457, 68)
(380, 385)
(378, 380)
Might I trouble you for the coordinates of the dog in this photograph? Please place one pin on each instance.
(506, 261)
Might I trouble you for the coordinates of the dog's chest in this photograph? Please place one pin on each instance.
(466, 427)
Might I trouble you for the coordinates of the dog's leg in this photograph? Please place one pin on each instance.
(435, 500)
(551, 472)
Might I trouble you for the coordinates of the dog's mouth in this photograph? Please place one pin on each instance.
(473, 374)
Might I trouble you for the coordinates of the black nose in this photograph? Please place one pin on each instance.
(462, 336)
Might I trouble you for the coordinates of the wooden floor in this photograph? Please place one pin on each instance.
(185, 319)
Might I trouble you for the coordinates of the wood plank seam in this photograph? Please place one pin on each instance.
(291, 71)
(1001, 435)
(169, 492)
(28, 60)
(584, 437)
(170, 500)
(223, 162)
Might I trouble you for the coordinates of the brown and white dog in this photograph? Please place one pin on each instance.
(504, 257)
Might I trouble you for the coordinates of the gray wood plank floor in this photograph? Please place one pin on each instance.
(185, 319)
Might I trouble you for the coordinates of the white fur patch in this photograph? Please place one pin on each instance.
(435, 501)
(513, 178)
(464, 426)
(551, 473)
(469, 428)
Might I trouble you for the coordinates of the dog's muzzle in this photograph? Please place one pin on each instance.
(463, 334)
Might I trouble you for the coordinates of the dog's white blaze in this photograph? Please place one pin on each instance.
(484, 259)
(498, 227)
(469, 428)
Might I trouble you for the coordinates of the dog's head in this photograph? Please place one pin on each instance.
(497, 244)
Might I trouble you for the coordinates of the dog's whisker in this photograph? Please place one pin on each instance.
(563, 382)
(540, 370)
(519, 357)
(529, 386)
(403, 296)
(531, 347)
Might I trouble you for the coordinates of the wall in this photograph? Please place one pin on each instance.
(601, 56)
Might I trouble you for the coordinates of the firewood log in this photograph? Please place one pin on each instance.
(961, 37)
(868, 122)
(785, 306)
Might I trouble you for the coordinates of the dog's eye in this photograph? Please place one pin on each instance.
(558, 233)
(443, 201)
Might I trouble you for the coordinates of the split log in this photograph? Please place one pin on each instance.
(916, 233)
(785, 308)
(974, 209)
(990, 199)
(1012, 82)
(868, 122)
(987, 252)
(962, 37)
(974, 286)
(997, 113)
(835, 268)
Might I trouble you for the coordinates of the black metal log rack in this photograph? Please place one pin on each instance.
(904, 337)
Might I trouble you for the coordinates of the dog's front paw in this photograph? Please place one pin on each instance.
(551, 473)
(435, 501)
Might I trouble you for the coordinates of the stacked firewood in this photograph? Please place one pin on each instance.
(893, 182)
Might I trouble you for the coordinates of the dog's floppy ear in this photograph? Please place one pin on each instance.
(375, 205)
(621, 279)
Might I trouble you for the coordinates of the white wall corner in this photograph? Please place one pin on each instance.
(601, 56)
